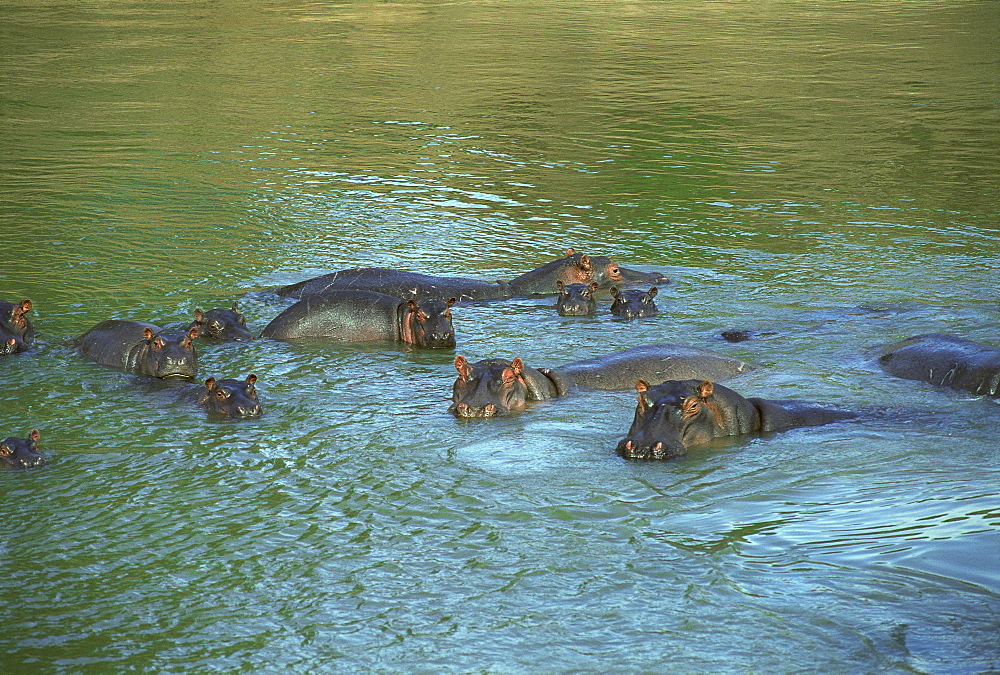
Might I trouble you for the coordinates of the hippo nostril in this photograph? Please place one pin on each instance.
(491, 409)
(628, 445)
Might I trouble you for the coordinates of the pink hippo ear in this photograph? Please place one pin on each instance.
(4, 450)
(641, 386)
(147, 333)
(210, 383)
(193, 333)
(517, 365)
(705, 390)
(585, 263)
(561, 286)
(25, 306)
(199, 315)
(462, 366)
(251, 379)
(34, 435)
(570, 252)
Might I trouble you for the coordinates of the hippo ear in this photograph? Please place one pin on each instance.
(4, 450)
(210, 383)
(34, 435)
(705, 389)
(561, 286)
(594, 286)
(25, 306)
(234, 308)
(517, 365)
(251, 379)
(147, 333)
(585, 262)
(641, 386)
(570, 252)
(462, 366)
(199, 315)
(412, 305)
(451, 302)
(614, 291)
(193, 333)
(651, 293)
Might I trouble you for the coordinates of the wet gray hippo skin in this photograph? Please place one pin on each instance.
(231, 398)
(16, 331)
(141, 348)
(946, 361)
(674, 416)
(364, 316)
(576, 299)
(632, 303)
(573, 268)
(21, 453)
(496, 387)
(221, 325)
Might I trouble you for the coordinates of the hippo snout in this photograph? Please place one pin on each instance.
(467, 411)
(633, 449)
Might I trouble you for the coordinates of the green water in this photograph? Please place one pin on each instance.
(824, 172)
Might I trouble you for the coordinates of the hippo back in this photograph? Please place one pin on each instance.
(652, 363)
(398, 283)
(947, 361)
(351, 316)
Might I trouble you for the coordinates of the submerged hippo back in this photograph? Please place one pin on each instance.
(652, 363)
(947, 361)
(350, 316)
(398, 283)
(141, 348)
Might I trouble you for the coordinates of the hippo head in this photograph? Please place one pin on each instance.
(169, 354)
(231, 398)
(488, 388)
(576, 299)
(16, 331)
(633, 303)
(670, 418)
(427, 323)
(21, 453)
(221, 325)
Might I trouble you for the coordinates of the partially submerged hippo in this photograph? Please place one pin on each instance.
(16, 331)
(231, 398)
(363, 316)
(221, 325)
(141, 348)
(573, 268)
(946, 361)
(496, 387)
(21, 453)
(632, 303)
(674, 416)
(576, 299)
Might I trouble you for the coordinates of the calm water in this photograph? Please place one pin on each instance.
(825, 172)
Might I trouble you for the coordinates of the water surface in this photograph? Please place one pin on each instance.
(824, 173)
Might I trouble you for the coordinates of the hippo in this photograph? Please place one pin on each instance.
(676, 415)
(361, 316)
(496, 387)
(231, 398)
(946, 361)
(21, 453)
(141, 348)
(576, 299)
(221, 325)
(16, 331)
(573, 268)
(631, 303)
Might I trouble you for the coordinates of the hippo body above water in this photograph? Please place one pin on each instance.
(231, 398)
(363, 316)
(679, 414)
(945, 361)
(16, 331)
(21, 453)
(496, 387)
(576, 299)
(632, 303)
(141, 348)
(221, 325)
(574, 268)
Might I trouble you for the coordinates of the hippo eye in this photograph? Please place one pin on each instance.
(690, 407)
(158, 344)
(216, 325)
(221, 395)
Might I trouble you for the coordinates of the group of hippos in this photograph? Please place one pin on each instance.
(680, 403)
